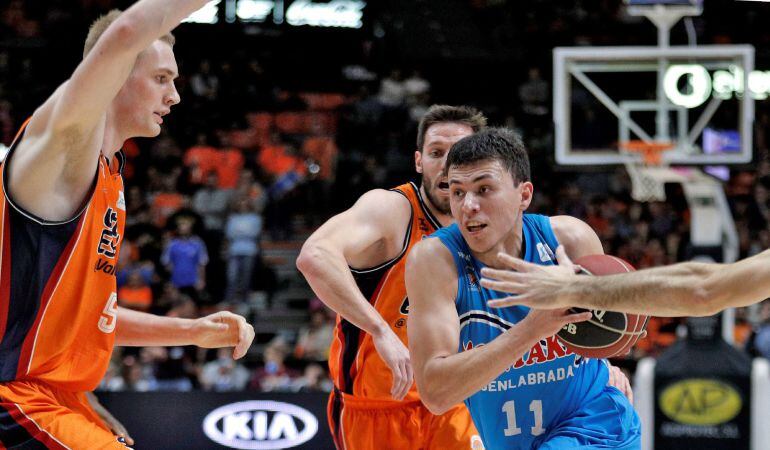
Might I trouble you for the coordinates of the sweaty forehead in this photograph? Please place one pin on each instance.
(447, 132)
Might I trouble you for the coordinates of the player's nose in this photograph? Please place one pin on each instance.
(470, 203)
(173, 97)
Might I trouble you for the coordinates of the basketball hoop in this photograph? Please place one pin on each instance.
(651, 152)
(648, 175)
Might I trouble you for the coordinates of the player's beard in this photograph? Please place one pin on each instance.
(441, 204)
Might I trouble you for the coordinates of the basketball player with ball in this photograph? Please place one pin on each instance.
(523, 387)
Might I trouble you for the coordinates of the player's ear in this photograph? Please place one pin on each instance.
(418, 161)
(526, 190)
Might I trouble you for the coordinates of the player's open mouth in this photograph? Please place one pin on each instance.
(475, 227)
(158, 118)
(443, 185)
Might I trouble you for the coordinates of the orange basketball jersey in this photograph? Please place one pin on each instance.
(354, 363)
(58, 302)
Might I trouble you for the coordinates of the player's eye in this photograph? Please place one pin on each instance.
(161, 78)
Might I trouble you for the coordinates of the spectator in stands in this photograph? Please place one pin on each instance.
(212, 203)
(313, 379)
(274, 376)
(393, 90)
(185, 257)
(242, 232)
(416, 88)
(534, 94)
(224, 374)
(136, 293)
(201, 159)
(171, 367)
(137, 376)
(167, 201)
(315, 338)
(229, 162)
(204, 83)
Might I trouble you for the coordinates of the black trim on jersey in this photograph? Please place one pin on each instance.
(337, 418)
(13, 434)
(35, 251)
(121, 161)
(434, 221)
(407, 238)
(351, 345)
(485, 318)
(367, 283)
(29, 215)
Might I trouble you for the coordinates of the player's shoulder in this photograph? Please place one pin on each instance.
(570, 229)
(384, 198)
(430, 253)
(382, 204)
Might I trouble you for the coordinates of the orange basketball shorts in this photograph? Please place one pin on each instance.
(34, 415)
(361, 424)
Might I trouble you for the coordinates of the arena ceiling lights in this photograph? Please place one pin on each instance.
(333, 14)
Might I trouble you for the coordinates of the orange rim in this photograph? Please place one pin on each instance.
(652, 152)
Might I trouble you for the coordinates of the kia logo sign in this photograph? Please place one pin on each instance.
(260, 425)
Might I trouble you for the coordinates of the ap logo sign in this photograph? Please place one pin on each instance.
(260, 425)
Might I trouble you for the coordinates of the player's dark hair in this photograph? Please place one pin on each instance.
(499, 144)
(445, 113)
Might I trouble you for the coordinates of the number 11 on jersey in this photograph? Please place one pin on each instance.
(536, 407)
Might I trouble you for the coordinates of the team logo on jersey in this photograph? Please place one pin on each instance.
(108, 242)
(544, 252)
(473, 280)
(121, 201)
(423, 225)
(405, 307)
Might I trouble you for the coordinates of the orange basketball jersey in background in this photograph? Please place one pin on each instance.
(355, 366)
(362, 414)
(58, 303)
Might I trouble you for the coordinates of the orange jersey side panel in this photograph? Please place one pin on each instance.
(58, 301)
(355, 366)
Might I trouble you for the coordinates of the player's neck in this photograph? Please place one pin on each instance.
(443, 219)
(512, 244)
(113, 139)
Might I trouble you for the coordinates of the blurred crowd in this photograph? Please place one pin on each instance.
(248, 167)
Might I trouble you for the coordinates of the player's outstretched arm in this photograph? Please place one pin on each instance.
(222, 329)
(366, 235)
(444, 376)
(684, 289)
(59, 152)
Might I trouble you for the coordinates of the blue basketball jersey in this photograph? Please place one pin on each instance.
(551, 397)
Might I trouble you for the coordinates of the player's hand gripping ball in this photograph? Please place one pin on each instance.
(607, 333)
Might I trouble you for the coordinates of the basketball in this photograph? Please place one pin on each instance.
(607, 333)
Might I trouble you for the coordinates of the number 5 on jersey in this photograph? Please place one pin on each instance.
(109, 317)
(536, 406)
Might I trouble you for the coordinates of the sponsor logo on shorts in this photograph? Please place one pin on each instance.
(260, 425)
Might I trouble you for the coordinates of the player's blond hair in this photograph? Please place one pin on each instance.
(100, 25)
